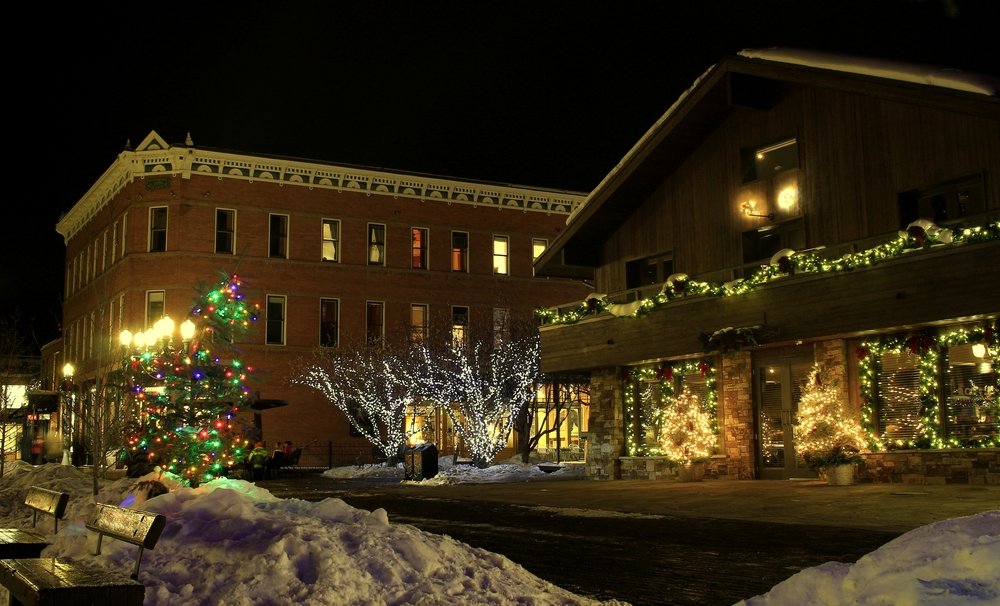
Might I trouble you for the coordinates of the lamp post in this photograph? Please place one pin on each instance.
(67, 416)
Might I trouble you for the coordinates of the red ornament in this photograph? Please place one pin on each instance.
(704, 368)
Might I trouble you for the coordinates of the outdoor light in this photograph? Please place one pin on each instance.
(979, 350)
(187, 330)
(750, 209)
(68, 370)
(788, 197)
(125, 338)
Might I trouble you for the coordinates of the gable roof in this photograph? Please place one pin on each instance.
(752, 78)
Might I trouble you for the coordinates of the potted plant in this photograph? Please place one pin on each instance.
(827, 434)
(836, 463)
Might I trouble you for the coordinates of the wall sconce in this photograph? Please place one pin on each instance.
(788, 198)
(750, 208)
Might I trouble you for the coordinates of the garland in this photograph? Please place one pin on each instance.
(919, 234)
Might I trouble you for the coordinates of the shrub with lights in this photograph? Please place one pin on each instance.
(188, 390)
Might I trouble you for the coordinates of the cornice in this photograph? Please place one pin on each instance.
(154, 157)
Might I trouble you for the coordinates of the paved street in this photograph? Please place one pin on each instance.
(658, 543)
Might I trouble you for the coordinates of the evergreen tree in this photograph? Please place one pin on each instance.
(189, 390)
(826, 432)
(687, 433)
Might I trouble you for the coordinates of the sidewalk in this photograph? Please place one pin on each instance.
(887, 507)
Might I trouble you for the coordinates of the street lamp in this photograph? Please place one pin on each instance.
(68, 413)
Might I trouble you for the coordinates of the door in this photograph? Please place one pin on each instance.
(778, 389)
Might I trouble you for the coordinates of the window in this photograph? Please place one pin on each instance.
(418, 245)
(760, 244)
(154, 306)
(158, 229)
(648, 271)
(764, 162)
(275, 320)
(374, 322)
(459, 326)
(501, 325)
(225, 231)
(418, 322)
(278, 237)
(331, 239)
(376, 244)
(943, 203)
(459, 251)
(970, 386)
(538, 246)
(964, 401)
(329, 320)
(500, 245)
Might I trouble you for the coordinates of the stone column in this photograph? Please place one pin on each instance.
(606, 438)
(736, 416)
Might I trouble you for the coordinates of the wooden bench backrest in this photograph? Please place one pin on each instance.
(47, 501)
(134, 526)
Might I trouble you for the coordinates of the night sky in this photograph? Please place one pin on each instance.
(548, 94)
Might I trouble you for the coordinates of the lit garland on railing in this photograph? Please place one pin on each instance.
(927, 346)
(920, 234)
(668, 378)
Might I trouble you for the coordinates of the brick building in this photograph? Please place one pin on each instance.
(331, 253)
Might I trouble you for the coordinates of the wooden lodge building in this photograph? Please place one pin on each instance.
(333, 254)
(791, 211)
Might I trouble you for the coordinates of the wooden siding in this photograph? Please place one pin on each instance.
(857, 153)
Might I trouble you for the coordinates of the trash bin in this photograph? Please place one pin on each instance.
(420, 462)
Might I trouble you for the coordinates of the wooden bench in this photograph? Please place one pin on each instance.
(58, 582)
(20, 543)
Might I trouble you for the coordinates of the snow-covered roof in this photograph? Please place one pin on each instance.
(882, 68)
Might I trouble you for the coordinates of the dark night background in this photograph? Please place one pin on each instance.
(548, 94)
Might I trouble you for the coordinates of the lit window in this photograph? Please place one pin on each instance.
(418, 322)
(376, 244)
(418, 240)
(331, 239)
(500, 245)
(459, 251)
(459, 326)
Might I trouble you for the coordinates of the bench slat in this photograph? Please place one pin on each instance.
(43, 581)
(138, 527)
(17, 543)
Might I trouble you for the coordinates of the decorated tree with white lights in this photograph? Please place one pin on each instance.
(686, 433)
(483, 386)
(188, 390)
(827, 432)
(374, 385)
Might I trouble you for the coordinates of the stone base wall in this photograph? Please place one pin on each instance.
(659, 468)
(957, 466)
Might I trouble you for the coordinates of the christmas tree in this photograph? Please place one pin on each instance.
(189, 390)
(687, 433)
(827, 433)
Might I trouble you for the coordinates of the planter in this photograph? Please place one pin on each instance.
(840, 475)
(691, 472)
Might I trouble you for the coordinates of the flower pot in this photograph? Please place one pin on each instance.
(840, 475)
(691, 472)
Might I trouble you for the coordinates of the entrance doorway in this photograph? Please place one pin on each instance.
(778, 385)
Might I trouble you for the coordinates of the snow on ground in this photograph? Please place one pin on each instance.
(231, 543)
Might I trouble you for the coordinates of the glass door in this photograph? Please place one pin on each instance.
(778, 389)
